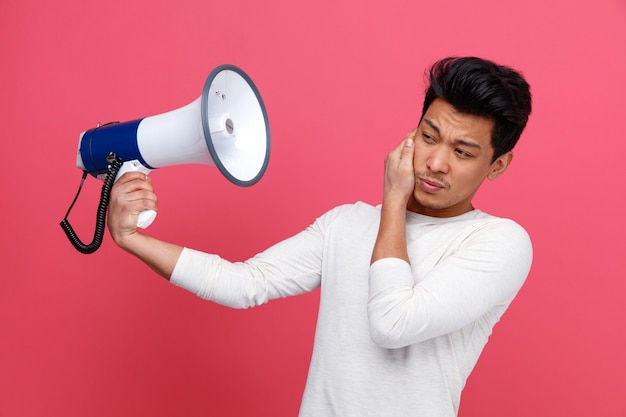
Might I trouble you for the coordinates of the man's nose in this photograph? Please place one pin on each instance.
(438, 161)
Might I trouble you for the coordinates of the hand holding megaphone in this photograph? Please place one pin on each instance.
(145, 217)
(227, 127)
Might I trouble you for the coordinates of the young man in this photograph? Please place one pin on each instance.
(411, 289)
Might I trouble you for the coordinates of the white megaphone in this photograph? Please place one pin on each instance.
(227, 127)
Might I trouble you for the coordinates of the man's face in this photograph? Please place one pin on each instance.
(453, 155)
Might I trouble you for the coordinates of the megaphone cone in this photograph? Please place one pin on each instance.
(227, 127)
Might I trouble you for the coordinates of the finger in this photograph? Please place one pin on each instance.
(406, 152)
(132, 181)
(139, 194)
(132, 176)
(137, 206)
(397, 150)
(134, 194)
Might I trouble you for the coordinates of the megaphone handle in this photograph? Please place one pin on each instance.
(146, 217)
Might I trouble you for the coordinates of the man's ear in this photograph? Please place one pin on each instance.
(500, 165)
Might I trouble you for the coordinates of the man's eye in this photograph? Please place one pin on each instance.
(427, 137)
(463, 154)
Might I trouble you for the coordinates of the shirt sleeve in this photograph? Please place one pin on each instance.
(288, 268)
(485, 273)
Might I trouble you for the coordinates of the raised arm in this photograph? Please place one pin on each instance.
(132, 194)
(290, 267)
(398, 186)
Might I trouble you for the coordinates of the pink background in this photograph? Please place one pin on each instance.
(101, 335)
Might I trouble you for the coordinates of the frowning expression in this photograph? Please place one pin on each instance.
(453, 155)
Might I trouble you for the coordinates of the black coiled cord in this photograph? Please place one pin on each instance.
(105, 194)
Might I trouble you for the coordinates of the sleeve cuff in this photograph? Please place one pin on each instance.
(389, 272)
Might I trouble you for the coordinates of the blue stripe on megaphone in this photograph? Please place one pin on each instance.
(119, 138)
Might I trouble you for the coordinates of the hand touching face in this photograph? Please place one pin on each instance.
(399, 170)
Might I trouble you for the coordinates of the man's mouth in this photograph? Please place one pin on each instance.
(430, 185)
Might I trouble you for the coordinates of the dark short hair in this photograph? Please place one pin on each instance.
(480, 87)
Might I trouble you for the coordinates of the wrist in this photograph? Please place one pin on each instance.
(396, 200)
(129, 241)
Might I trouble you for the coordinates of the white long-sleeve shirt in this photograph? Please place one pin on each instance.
(392, 339)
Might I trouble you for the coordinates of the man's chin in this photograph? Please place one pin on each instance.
(424, 206)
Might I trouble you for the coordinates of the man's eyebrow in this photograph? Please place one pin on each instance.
(432, 125)
(468, 143)
(463, 142)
